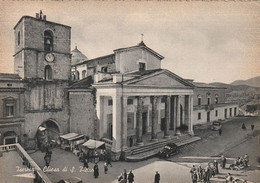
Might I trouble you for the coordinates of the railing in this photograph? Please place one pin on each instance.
(107, 141)
(40, 176)
(9, 147)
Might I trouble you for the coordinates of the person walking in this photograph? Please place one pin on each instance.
(125, 175)
(200, 173)
(223, 161)
(96, 171)
(220, 132)
(121, 178)
(85, 163)
(131, 177)
(246, 160)
(216, 167)
(157, 177)
(105, 168)
(194, 177)
(252, 127)
(47, 159)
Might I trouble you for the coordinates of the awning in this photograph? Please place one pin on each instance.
(77, 137)
(41, 128)
(69, 135)
(93, 144)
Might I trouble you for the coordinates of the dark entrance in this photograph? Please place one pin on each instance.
(109, 126)
(208, 116)
(225, 113)
(144, 116)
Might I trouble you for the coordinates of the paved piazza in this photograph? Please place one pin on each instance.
(234, 142)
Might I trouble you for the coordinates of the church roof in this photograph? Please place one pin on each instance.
(84, 83)
(9, 76)
(141, 45)
(205, 85)
(77, 56)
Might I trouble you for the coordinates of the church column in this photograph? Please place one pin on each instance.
(117, 113)
(177, 122)
(154, 118)
(124, 124)
(191, 115)
(167, 116)
(139, 121)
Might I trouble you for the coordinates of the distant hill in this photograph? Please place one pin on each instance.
(250, 82)
(246, 96)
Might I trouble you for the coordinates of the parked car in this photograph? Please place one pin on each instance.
(216, 125)
(71, 180)
(168, 150)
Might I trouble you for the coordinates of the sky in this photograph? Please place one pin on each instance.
(201, 40)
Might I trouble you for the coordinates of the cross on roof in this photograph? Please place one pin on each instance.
(142, 36)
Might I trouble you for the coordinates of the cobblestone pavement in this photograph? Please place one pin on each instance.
(234, 142)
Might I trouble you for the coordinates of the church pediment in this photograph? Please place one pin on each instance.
(163, 78)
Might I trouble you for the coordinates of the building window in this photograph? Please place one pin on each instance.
(199, 115)
(104, 69)
(18, 38)
(77, 75)
(208, 100)
(216, 99)
(73, 77)
(48, 41)
(48, 72)
(235, 111)
(230, 112)
(141, 66)
(130, 101)
(216, 113)
(199, 100)
(110, 102)
(83, 74)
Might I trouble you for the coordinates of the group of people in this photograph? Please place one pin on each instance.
(124, 177)
(240, 163)
(204, 174)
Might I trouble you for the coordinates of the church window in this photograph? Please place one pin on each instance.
(83, 73)
(104, 69)
(110, 102)
(199, 99)
(216, 113)
(141, 66)
(48, 72)
(216, 99)
(9, 107)
(208, 100)
(77, 75)
(48, 41)
(18, 38)
(199, 115)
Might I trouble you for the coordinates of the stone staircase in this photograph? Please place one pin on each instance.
(148, 150)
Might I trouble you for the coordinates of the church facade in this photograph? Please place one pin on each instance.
(124, 99)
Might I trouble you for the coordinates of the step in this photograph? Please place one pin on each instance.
(154, 151)
(159, 144)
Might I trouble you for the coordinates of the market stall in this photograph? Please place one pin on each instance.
(66, 143)
(94, 149)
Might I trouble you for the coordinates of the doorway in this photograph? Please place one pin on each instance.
(110, 126)
(208, 116)
(225, 113)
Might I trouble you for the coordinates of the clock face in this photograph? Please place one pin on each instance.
(49, 57)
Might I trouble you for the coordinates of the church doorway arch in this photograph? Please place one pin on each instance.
(48, 131)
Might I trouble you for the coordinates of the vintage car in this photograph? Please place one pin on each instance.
(168, 150)
(216, 125)
(71, 180)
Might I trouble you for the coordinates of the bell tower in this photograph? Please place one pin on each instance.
(42, 59)
(42, 48)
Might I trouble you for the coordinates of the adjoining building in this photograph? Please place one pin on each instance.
(121, 98)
